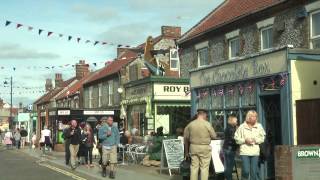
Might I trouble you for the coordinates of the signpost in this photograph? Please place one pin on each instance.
(172, 154)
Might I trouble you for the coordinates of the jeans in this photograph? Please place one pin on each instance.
(229, 163)
(17, 144)
(250, 168)
(67, 152)
(89, 152)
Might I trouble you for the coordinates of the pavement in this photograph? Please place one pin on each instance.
(52, 166)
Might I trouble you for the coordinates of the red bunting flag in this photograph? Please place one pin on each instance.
(49, 33)
(78, 39)
(19, 25)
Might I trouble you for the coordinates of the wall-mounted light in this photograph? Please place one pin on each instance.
(120, 90)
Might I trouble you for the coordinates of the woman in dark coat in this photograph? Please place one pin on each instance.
(89, 144)
(230, 146)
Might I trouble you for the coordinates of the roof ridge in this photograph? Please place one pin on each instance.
(203, 19)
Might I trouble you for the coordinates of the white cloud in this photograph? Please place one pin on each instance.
(15, 51)
(96, 14)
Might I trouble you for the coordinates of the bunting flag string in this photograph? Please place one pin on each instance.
(70, 37)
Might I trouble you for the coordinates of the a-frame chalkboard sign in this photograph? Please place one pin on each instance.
(172, 154)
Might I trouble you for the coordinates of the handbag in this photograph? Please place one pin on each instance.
(185, 167)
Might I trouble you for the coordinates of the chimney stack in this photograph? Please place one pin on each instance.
(171, 31)
(58, 80)
(82, 69)
(48, 85)
(1, 103)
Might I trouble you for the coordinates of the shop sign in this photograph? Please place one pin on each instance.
(306, 162)
(42, 114)
(255, 67)
(63, 112)
(52, 113)
(171, 92)
(98, 112)
(138, 91)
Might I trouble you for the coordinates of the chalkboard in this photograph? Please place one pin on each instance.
(174, 151)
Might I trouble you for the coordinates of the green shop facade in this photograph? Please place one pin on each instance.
(279, 84)
(156, 101)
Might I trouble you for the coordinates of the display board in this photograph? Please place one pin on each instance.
(172, 154)
(216, 148)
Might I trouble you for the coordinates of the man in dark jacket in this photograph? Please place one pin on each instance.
(66, 144)
(74, 134)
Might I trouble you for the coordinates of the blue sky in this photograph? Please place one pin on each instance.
(118, 21)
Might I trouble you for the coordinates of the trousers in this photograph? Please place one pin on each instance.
(200, 160)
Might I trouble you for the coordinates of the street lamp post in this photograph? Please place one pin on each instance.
(10, 119)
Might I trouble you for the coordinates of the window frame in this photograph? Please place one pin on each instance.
(174, 59)
(90, 96)
(229, 42)
(311, 35)
(110, 92)
(100, 95)
(198, 57)
(261, 37)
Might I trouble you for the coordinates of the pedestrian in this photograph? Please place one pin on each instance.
(74, 133)
(109, 134)
(230, 146)
(198, 135)
(99, 146)
(66, 144)
(17, 138)
(90, 141)
(8, 137)
(249, 136)
(24, 134)
(34, 139)
(45, 141)
(82, 146)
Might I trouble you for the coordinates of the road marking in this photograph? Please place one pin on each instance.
(62, 171)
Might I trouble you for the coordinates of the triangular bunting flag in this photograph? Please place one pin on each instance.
(69, 38)
(103, 43)
(8, 23)
(19, 25)
(49, 33)
(87, 41)
(78, 39)
(40, 31)
(119, 45)
(30, 28)
(60, 35)
(14, 68)
(95, 43)
(95, 64)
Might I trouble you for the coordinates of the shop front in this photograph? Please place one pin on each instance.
(263, 83)
(156, 101)
(93, 116)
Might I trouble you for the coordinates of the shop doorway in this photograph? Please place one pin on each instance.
(271, 116)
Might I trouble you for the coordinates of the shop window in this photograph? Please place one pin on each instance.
(315, 30)
(174, 59)
(110, 88)
(217, 120)
(234, 47)
(231, 96)
(266, 38)
(248, 94)
(203, 57)
(203, 98)
(216, 99)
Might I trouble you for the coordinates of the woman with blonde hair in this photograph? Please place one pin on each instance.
(249, 136)
(230, 146)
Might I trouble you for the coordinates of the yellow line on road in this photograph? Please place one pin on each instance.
(62, 171)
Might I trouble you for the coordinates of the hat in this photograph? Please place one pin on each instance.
(202, 110)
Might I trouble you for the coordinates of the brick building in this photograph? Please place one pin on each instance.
(261, 55)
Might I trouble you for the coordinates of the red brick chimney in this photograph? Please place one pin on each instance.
(58, 80)
(82, 69)
(48, 85)
(171, 31)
